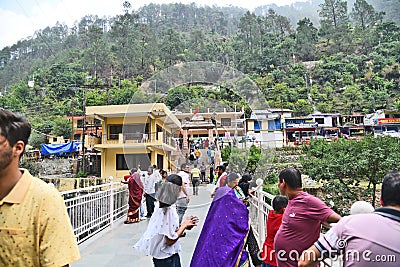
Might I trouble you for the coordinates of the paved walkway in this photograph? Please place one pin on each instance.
(114, 247)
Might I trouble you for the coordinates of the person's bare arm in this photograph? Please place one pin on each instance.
(187, 223)
(333, 218)
(309, 257)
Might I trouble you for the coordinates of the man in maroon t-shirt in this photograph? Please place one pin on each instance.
(221, 176)
(301, 221)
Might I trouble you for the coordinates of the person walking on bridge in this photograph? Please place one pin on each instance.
(183, 198)
(195, 175)
(135, 188)
(203, 172)
(161, 239)
(150, 190)
(224, 235)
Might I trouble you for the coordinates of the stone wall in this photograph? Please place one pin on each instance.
(60, 172)
(60, 167)
(65, 184)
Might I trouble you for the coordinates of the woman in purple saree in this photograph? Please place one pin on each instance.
(223, 237)
(135, 187)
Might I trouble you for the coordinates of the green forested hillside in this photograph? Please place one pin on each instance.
(309, 9)
(349, 63)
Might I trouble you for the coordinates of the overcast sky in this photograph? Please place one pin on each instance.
(21, 18)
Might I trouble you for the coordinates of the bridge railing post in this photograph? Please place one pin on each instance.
(111, 201)
(260, 216)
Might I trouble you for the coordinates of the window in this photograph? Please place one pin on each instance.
(320, 120)
(271, 125)
(128, 161)
(134, 128)
(278, 125)
(257, 125)
(158, 130)
(77, 137)
(115, 130)
(225, 121)
(160, 161)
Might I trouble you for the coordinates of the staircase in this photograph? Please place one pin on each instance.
(203, 157)
(178, 158)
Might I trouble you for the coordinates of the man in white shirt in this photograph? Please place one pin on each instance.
(183, 198)
(156, 171)
(150, 190)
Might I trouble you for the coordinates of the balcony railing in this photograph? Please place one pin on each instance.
(155, 138)
(259, 208)
(231, 125)
(92, 209)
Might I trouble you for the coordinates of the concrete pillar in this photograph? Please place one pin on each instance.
(185, 139)
(105, 131)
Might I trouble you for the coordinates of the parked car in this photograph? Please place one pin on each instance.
(390, 133)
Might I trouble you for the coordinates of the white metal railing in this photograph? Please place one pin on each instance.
(92, 209)
(136, 138)
(258, 212)
(259, 208)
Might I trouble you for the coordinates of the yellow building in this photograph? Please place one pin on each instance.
(92, 130)
(132, 135)
(53, 139)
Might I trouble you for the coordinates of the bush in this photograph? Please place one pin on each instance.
(226, 153)
(272, 189)
(81, 174)
(31, 166)
(337, 196)
(271, 179)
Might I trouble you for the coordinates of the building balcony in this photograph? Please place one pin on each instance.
(138, 140)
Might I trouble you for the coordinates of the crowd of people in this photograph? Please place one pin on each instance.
(35, 229)
(293, 230)
(195, 153)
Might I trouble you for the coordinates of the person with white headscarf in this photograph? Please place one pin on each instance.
(360, 207)
(161, 239)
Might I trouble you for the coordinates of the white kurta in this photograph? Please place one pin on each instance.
(163, 222)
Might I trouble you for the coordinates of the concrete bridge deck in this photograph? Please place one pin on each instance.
(114, 246)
